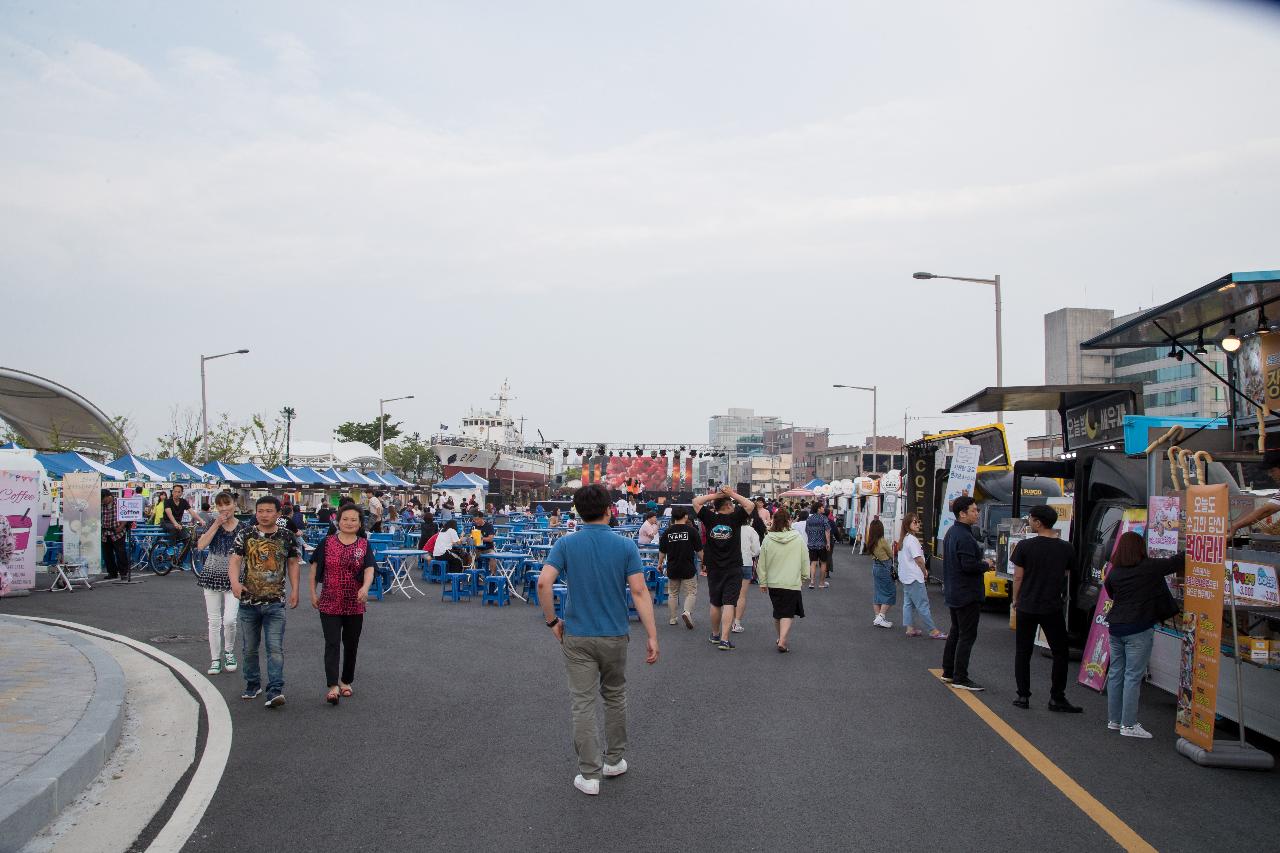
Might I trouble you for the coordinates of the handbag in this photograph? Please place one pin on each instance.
(1166, 607)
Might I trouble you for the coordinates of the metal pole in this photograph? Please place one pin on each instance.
(999, 348)
(204, 415)
(381, 421)
(875, 431)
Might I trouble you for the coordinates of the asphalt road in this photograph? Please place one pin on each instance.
(458, 737)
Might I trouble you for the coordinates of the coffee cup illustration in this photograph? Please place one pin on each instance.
(21, 526)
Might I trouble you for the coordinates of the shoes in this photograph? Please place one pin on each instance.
(274, 701)
(333, 696)
(912, 632)
(688, 620)
(737, 627)
(810, 586)
(1062, 706)
(611, 770)
(783, 649)
(230, 664)
(825, 585)
(967, 684)
(1136, 730)
(671, 621)
(726, 646)
(251, 694)
(879, 620)
(1022, 702)
(215, 668)
(1113, 725)
(585, 785)
(946, 679)
(714, 639)
(940, 635)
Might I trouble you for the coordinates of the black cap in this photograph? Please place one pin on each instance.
(1046, 515)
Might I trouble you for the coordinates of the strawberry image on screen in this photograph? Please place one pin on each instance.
(651, 472)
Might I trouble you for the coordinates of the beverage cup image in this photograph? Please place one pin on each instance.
(21, 526)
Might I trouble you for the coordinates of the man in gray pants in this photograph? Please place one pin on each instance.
(598, 566)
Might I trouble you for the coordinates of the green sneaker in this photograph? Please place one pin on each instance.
(231, 664)
(215, 668)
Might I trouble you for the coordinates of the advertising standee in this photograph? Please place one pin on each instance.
(1201, 620)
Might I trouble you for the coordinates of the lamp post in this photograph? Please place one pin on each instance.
(204, 400)
(382, 422)
(875, 408)
(999, 337)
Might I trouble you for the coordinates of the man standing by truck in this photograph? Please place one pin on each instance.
(962, 571)
(1041, 567)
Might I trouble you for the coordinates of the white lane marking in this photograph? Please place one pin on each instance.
(213, 761)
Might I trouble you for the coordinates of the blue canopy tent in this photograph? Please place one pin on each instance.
(302, 476)
(261, 475)
(354, 478)
(242, 474)
(141, 469)
(393, 480)
(814, 484)
(58, 464)
(463, 480)
(176, 470)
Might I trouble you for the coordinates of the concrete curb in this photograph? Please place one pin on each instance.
(35, 797)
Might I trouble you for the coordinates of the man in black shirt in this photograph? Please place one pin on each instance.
(486, 532)
(722, 559)
(175, 507)
(678, 550)
(1041, 569)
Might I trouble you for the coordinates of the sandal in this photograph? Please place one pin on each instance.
(782, 649)
(912, 632)
(938, 635)
(332, 696)
(345, 690)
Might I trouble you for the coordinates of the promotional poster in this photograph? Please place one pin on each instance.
(1201, 621)
(961, 481)
(82, 520)
(19, 508)
(1097, 648)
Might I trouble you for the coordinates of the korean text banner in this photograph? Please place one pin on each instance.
(19, 507)
(1201, 622)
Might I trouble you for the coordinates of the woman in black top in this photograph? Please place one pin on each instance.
(1140, 598)
(429, 529)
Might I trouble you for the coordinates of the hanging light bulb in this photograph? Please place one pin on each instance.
(1200, 350)
(1232, 341)
(1264, 327)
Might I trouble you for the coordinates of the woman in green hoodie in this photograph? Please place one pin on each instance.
(783, 567)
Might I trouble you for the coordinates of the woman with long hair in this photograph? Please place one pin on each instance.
(429, 529)
(1140, 599)
(913, 573)
(782, 569)
(886, 593)
(343, 567)
(222, 609)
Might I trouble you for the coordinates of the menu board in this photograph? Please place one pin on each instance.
(1201, 620)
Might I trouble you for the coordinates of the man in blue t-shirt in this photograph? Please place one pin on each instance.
(598, 566)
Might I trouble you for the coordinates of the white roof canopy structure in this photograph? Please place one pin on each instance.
(44, 413)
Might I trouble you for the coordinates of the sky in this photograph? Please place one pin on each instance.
(638, 214)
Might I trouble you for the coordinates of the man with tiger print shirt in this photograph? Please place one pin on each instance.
(260, 559)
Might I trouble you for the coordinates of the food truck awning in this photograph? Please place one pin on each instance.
(1092, 415)
(1237, 299)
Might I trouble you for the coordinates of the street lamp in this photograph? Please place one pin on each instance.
(289, 414)
(875, 437)
(204, 399)
(382, 418)
(999, 342)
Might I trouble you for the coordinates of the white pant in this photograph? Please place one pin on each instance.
(223, 609)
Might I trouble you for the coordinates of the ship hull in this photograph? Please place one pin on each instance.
(495, 465)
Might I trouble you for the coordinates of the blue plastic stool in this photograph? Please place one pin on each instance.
(454, 588)
(660, 595)
(560, 592)
(495, 591)
(435, 571)
(376, 589)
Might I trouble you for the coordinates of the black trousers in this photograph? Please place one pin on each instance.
(960, 640)
(1055, 631)
(344, 630)
(115, 559)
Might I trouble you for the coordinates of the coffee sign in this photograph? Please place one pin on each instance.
(1099, 422)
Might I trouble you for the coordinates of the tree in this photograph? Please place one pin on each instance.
(269, 440)
(119, 438)
(185, 439)
(367, 433)
(413, 459)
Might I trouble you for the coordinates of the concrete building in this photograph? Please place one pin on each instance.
(802, 444)
(844, 462)
(1170, 387)
(741, 431)
(767, 475)
(1044, 446)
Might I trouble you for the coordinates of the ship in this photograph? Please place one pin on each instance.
(489, 445)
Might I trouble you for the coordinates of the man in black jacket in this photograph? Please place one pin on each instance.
(962, 571)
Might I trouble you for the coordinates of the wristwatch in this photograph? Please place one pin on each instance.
(554, 622)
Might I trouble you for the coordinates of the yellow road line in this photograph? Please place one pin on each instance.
(1097, 812)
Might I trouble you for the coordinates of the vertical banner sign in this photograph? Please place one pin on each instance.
(961, 481)
(1206, 527)
(19, 509)
(921, 475)
(688, 473)
(1097, 648)
(1269, 361)
(82, 520)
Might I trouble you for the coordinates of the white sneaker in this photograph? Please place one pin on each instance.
(879, 620)
(611, 770)
(585, 785)
(215, 668)
(737, 627)
(1113, 725)
(671, 621)
(1136, 730)
(885, 623)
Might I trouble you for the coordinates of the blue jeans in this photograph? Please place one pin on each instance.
(915, 598)
(1125, 670)
(262, 621)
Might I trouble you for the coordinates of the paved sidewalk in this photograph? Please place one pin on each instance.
(61, 711)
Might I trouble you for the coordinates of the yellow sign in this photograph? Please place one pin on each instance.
(1201, 620)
